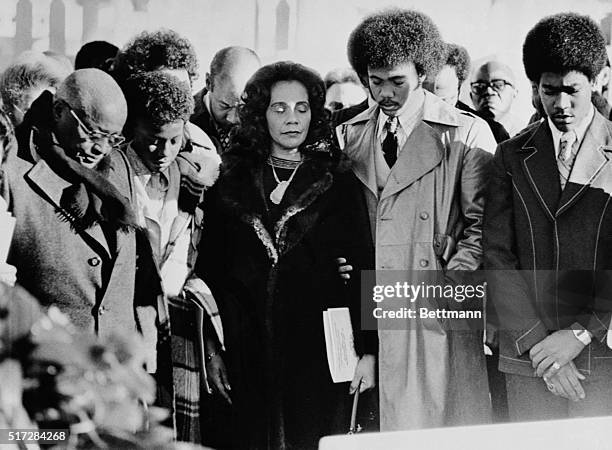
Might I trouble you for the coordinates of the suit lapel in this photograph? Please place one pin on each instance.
(592, 158)
(422, 152)
(540, 167)
(51, 186)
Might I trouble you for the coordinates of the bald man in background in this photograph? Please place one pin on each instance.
(216, 106)
(493, 91)
(69, 188)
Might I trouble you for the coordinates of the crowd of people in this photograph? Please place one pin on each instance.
(220, 225)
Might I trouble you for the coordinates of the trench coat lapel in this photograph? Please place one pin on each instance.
(362, 156)
(593, 157)
(422, 152)
(51, 186)
(540, 167)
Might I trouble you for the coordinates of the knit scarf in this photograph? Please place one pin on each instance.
(91, 198)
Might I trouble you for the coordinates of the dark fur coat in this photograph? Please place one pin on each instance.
(272, 274)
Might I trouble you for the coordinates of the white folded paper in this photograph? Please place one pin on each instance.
(341, 355)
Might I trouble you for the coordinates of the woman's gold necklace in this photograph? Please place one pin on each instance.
(276, 196)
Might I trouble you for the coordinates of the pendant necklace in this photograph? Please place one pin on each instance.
(281, 186)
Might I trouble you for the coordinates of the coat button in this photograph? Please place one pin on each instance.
(424, 216)
(94, 261)
(424, 263)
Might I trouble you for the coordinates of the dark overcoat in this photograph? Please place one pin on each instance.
(549, 252)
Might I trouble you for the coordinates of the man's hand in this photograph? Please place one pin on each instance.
(555, 351)
(344, 269)
(217, 376)
(492, 338)
(566, 383)
(365, 372)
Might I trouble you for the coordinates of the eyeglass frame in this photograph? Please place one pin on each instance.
(489, 84)
(114, 139)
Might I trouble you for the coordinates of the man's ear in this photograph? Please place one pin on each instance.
(602, 79)
(208, 82)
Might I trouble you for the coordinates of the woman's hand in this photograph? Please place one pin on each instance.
(217, 376)
(365, 372)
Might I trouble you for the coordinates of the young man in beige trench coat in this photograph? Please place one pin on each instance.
(422, 164)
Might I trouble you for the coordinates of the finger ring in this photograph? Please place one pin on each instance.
(551, 387)
(556, 365)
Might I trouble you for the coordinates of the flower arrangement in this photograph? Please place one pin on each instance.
(95, 388)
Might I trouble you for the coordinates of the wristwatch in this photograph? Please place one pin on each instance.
(583, 336)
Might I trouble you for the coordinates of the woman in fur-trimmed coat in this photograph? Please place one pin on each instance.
(269, 256)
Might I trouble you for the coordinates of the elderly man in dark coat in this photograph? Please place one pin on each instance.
(75, 244)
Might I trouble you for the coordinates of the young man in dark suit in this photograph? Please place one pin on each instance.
(548, 222)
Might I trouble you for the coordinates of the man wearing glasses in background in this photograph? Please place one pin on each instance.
(69, 188)
(492, 92)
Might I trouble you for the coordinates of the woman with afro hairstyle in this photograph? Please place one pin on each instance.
(548, 214)
(422, 165)
(286, 207)
(169, 187)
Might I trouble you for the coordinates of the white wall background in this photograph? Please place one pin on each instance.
(318, 29)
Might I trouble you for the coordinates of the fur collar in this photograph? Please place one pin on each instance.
(242, 194)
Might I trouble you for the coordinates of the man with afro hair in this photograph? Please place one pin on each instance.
(455, 70)
(169, 187)
(422, 165)
(546, 233)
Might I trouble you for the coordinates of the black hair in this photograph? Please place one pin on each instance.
(157, 98)
(459, 59)
(394, 37)
(252, 134)
(563, 43)
(96, 54)
(148, 51)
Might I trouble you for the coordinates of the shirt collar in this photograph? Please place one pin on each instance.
(139, 167)
(408, 118)
(580, 130)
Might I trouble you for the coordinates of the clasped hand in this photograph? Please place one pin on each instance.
(553, 360)
(560, 347)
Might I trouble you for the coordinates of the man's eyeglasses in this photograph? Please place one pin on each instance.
(97, 136)
(481, 87)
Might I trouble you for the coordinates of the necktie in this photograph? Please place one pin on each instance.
(225, 138)
(567, 155)
(389, 145)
